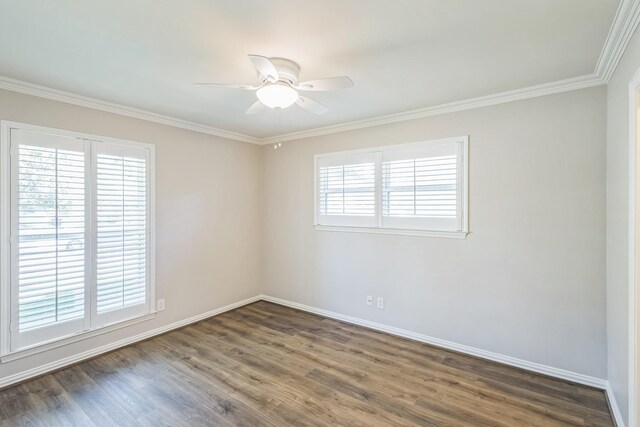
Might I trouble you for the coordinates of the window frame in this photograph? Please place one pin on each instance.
(344, 159)
(378, 152)
(8, 351)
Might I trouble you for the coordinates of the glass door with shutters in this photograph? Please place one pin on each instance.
(80, 232)
(49, 212)
(122, 231)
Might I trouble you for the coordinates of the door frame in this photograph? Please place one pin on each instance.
(634, 288)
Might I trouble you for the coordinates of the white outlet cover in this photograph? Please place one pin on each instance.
(160, 305)
(380, 303)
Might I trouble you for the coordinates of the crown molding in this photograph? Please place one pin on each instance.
(83, 101)
(469, 104)
(624, 25)
(574, 83)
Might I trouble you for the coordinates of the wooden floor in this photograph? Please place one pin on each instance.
(268, 365)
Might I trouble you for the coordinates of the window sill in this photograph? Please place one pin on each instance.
(40, 348)
(424, 233)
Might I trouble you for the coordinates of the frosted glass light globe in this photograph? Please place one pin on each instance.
(277, 95)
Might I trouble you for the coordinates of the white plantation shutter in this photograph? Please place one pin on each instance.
(80, 231)
(49, 217)
(122, 231)
(421, 187)
(417, 187)
(347, 190)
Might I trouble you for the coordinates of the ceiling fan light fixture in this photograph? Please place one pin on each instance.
(278, 95)
(278, 86)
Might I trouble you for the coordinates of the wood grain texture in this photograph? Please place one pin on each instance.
(269, 365)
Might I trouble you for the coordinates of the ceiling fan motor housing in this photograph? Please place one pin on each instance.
(288, 70)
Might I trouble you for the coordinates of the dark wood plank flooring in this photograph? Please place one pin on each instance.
(268, 365)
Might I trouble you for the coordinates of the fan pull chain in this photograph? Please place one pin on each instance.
(278, 127)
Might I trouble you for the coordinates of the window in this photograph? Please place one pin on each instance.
(347, 190)
(417, 188)
(78, 221)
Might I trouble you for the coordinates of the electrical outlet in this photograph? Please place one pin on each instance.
(369, 299)
(380, 303)
(160, 305)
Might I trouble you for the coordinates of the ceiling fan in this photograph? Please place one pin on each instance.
(278, 86)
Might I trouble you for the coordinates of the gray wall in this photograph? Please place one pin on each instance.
(235, 219)
(207, 214)
(618, 225)
(528, 282)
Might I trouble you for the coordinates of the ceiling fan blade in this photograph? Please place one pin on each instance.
(231, 86)
(329, 83)
(310, 105)
(256, 108)
(265, 67)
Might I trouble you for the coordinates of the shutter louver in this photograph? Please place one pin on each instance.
(121, 258)
(417, 189)
(425, 187)
(51, 236)
(347, 190)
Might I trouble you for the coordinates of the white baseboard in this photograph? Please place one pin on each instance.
(61, 363)
(613, 406)
(508, 360)
(484, 354)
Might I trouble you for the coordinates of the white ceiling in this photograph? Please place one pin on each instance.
(401, 54)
